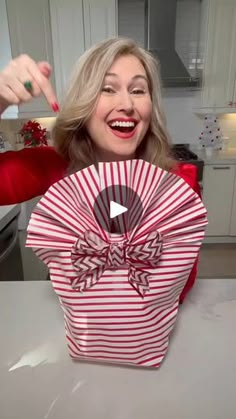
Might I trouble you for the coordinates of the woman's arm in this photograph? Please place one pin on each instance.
(188, 172)
(28, 173)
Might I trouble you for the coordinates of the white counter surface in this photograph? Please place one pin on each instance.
(38, 380)
(7, 213)
(218, 157)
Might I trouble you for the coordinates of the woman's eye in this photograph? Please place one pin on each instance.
(108, 89)
(138, 91)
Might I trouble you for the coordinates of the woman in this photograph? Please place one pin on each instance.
(111, 111)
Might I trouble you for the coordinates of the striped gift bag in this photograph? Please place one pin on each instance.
(119, 291)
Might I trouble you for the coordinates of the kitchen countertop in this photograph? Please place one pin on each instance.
(38, 379)
(227, 156)
(7, 213)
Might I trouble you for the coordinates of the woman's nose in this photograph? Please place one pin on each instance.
(125, 102)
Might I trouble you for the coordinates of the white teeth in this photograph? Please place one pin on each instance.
(122, 124)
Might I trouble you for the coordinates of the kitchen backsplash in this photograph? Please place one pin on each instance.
(183, 124)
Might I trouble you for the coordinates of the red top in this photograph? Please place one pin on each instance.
(30, 172)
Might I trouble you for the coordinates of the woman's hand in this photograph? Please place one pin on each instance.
(19, 71)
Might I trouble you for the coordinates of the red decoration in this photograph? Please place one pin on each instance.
(33, 134)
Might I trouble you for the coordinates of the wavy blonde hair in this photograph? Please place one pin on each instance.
(69, 133)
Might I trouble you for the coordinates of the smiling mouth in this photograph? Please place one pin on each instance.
(123, 127)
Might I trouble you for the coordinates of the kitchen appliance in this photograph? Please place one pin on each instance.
(10, 255)
(183, 153)
(171, 30)
(162, 36)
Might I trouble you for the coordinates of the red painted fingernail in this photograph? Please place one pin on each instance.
(55, 107)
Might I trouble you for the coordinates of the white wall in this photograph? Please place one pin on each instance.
(183, 125)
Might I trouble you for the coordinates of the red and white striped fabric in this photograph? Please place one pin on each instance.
(124, 310)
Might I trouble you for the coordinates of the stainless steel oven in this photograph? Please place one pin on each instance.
(10, 254)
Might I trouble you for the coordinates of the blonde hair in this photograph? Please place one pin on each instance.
(69, 133)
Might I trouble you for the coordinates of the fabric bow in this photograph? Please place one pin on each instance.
(91, 256)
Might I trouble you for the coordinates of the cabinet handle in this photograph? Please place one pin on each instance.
(233, 103)
(221, 167)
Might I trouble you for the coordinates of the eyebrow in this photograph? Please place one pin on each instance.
(137, 76)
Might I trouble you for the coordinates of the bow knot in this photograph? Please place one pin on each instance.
(116, 254)
(91, 256)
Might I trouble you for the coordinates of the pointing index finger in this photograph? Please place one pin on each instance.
(45, 68)
(42, 79)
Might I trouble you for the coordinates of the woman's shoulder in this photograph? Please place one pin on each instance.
(188, 172)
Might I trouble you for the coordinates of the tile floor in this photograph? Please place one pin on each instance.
(217, 261)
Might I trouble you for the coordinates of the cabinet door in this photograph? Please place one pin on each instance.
(68, 39)
(218, 188)
(29, 27)
(100, 20)
(233, 213)
(5, 53)
(220, 54)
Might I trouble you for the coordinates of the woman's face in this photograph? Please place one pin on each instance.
(123, 111)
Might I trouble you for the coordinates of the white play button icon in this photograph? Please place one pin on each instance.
(116, 209)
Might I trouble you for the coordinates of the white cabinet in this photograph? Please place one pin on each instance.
(100, 20)
(56, 31)
(67, 25)
(219, 183)
(5, 52)
(77, 25)
(219, 90)
(233, 213)
(30, 33)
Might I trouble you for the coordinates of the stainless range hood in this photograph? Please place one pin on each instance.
(160, 28)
